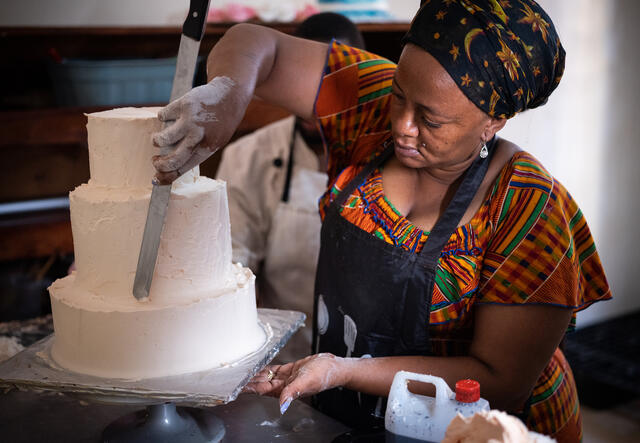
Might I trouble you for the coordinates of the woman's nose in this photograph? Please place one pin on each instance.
(407, 123)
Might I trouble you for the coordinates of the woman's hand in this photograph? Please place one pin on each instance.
(248, 60)
(198, 124)
(312, 374)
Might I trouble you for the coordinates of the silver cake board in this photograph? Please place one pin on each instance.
(34, 369)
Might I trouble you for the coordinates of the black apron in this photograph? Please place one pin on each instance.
(373, 298)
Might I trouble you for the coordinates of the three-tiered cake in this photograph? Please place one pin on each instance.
(201, 311)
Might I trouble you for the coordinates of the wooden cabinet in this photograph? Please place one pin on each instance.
(43, 146)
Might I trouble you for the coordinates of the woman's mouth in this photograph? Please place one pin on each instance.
(407, 151)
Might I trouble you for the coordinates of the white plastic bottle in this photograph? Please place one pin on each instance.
(419, 418)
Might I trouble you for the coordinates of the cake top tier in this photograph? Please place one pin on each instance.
(120, 146)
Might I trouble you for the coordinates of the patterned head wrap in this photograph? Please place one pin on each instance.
(505, 55)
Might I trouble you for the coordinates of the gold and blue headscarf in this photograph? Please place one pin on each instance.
(505, 55)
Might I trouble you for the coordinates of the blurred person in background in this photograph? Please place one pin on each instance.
(275, 177)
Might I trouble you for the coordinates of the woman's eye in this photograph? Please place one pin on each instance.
(430, 123)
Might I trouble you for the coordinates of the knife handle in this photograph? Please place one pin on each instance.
(193, 26)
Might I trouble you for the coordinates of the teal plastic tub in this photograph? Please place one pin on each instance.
(78, 82)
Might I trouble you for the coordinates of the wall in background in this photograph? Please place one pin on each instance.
(132, 13)
(586, 135)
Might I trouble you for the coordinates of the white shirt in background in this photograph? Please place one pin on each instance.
(278, 241)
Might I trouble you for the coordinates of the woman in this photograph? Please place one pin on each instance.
(444, 249)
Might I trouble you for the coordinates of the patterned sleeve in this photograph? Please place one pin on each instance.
(352, 105)
(541, 250)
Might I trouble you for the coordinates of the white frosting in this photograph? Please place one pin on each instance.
(195, 247)
(144, 340)
(201, 310)
(120, 147)
(9, 346)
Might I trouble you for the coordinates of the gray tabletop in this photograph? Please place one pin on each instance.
(58, 415)
(54, 417)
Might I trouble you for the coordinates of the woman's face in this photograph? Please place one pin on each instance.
(434, 125)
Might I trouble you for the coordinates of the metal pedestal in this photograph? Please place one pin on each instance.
(166, 423)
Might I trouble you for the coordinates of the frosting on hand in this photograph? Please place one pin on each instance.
(302, 378)
(195, 128)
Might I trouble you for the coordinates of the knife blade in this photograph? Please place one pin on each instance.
(192, 32)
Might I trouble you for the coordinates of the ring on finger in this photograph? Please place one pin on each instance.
(270, 375)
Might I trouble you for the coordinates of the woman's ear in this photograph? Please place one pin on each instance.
(495, 124)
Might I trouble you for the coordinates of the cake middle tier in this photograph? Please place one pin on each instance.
(194, 256)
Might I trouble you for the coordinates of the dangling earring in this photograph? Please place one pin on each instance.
(484, 151)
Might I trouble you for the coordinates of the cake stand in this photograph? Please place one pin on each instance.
(173, 404)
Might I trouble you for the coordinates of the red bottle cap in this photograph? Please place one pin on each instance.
(467, 391)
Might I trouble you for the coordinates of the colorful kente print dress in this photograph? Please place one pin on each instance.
(527, 244)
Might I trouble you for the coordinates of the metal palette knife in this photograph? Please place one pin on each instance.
(192, 32)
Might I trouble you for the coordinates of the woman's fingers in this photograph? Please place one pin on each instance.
(272, 388)
(269, 381)
(201, 121)
(308, 376)
(197, 157)
(285, 405)
(175, 160)
(170, 112)
(300, 384)
(171, 134)
(164, 178)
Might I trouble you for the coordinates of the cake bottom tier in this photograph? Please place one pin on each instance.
(144, 340)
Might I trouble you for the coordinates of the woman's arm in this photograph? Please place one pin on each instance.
(511, 346)
(248, 59)
(281, 69)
